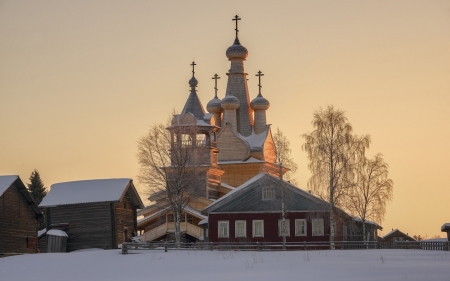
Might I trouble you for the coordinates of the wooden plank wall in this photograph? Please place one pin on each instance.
(87, 225)
(18, 224)
(125, 219)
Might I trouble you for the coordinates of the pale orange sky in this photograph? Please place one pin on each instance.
(81, 81)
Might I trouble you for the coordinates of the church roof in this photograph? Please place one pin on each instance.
(194, 106)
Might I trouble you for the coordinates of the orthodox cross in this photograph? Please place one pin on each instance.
(259, 84)
(215, 87)
(193, 65)
(236, 18)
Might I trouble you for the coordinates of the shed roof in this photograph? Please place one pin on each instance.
(7, 181)
(91, 191)
(445, 227)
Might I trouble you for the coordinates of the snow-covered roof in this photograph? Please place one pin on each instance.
(367, 221)
(86, 191)
(256, 140)
(144, 219)
(204, 221)
(57, 232)
(42, 232)
(5, 182)
(389, 233)
(226, 185)
(248, 161)
(445, 227)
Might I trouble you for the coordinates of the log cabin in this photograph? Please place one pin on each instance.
(19, 217)
(94, 213)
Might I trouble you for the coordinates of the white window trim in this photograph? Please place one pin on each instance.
(296, 227)
(323, 227)
(227, 235)
(236, 229)
(288, 226)
(262, 228)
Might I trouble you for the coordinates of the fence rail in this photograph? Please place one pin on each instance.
(290, 246)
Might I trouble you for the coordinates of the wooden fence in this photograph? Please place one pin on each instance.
(267, 246)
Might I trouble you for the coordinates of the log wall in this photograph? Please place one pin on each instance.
(18, 224)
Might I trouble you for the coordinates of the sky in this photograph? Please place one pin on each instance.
(111, 265)
(82, 81)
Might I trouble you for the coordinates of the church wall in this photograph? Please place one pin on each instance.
(231, 147)
(237, 174)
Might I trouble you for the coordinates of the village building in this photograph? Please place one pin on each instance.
(19, 217)
(446, 228)
(241, 198)
(93, 213)
(396, 235)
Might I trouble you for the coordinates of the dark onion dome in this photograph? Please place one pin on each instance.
(214, 106)
(193, 82)
(230, 102)
(237, 51)
(260, 103)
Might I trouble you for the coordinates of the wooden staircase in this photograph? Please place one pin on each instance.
(161, 230)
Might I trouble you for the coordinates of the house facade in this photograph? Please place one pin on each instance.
(19, 217)
(93, 213)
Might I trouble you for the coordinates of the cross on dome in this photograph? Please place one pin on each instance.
(236, 18)
(259, 84)
(193, 65)
(215, 86)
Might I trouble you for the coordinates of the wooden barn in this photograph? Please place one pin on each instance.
(252, 212)
(93, 213)
(19, 217)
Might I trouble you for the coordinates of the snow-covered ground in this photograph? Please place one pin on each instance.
(229, 265)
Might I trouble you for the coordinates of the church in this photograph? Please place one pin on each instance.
(239, 179)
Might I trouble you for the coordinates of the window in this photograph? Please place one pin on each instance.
(300, 227)
(258, 228)
(317, 227)
(240, 228)
(283, 229)
(268, 192)
(223, 229)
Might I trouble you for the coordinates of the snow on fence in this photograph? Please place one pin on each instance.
(293, 246)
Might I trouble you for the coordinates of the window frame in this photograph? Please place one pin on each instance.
(227, 235)
(268, 190)
(288, 228)
(313, 222)
(305, 226)
(254, 228)
(236, 229)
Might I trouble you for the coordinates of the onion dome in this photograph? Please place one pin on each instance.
(214, 106)
(260, 103)
(230, 102)
(193, 82)
(237, 51)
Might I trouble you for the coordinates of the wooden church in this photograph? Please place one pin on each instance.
(238, 158)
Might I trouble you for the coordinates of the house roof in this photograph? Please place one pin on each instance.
(394, 231)
(7, 181)
(445, 227)
(91, 191)
(248, 198)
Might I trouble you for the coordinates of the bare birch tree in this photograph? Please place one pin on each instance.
(333, 152)
(168, 161)
(283, 155)
(372, 190)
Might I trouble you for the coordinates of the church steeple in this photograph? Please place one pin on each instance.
(193, 104)
(260, 105)
(237, 84)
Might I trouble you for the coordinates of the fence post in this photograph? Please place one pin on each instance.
(210, 246)
(124, 249)
(304, 245)
(165, 246)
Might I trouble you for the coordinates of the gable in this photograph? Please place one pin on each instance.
(231, 147)
(249, 198)
(6, 182)
(269, 148)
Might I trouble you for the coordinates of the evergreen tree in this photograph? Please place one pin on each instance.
(36, 187)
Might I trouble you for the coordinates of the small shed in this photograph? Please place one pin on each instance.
(56, 241)
(93, 213)
(446, 228)
(19, 217)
